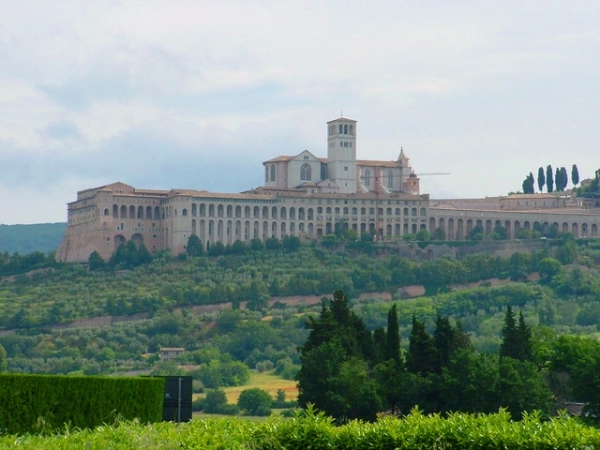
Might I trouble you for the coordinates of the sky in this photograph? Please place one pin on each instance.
(197, 94)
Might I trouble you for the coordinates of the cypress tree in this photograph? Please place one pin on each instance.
(422, 354)
(549, 179)
(574, 175)
(393, 335)
(525, 343)
(510, 336)
(443, 338)
(541, 179)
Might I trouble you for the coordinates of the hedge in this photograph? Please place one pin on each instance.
(45, 403)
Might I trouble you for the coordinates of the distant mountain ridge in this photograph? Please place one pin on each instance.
(38, 237)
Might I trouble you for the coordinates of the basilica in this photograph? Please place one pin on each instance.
(303, 195)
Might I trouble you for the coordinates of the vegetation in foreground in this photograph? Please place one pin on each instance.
(315, 431)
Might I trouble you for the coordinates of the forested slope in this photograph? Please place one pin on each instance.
(39, 237)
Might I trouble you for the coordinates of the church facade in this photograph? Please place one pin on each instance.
(307, 196)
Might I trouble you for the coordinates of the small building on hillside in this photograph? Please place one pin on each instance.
(170, 353)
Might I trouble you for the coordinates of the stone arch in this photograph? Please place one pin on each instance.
(247, 212)
(148, 212)
(202, 210)
(256, 230)
(256, 212)
(220, 210)
(301, 214)
(274, 212)
(184, 212)
(311, 214)
(283, 212)
(584, 229)
(118, 240)
(565, 227)
(575, 229)
(451, 232)
(292, 213)
(132, 212)
(247, 230)
(229, 210)
(265, 212)
(238, 211)
(194, 209)
(138, 239)
(311, 228)
(123, 214)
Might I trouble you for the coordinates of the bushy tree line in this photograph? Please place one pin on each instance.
(18, 264)
(350, 373)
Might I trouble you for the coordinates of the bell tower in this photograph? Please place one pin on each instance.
(341, 152)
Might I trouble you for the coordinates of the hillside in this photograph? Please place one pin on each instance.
(240, 311)
(39, 237)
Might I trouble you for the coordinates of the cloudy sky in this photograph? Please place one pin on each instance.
(196, 94)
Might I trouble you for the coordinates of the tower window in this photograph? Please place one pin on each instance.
(341, 128)
(345, 129)
(272, 172)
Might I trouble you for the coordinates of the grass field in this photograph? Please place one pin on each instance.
(265, 381)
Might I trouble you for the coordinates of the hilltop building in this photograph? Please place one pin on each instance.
(307, 196)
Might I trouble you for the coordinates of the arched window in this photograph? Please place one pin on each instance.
(305, 173)
(272, 172)
(345, 129)
(390, 179)
(341, 129)
(351, 129)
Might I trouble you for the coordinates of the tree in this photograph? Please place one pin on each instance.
(549, 179)
(516, 339)
(443, 338)
(255, 402)
(393, 336)
(528, 184)
(215, 402)
(422, 355)
(3, 361)
(521, 388)
(561, 179)
(575, 175)
(548, 268)
(335, 358)
(510, 336)
(95, 261)
(194, 246)
(438, 234)
(541, 179)
(423, 235)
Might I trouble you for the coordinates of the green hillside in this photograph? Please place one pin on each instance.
(246, 307)
(39, 237)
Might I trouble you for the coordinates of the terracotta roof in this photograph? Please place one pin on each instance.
(279, 159)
